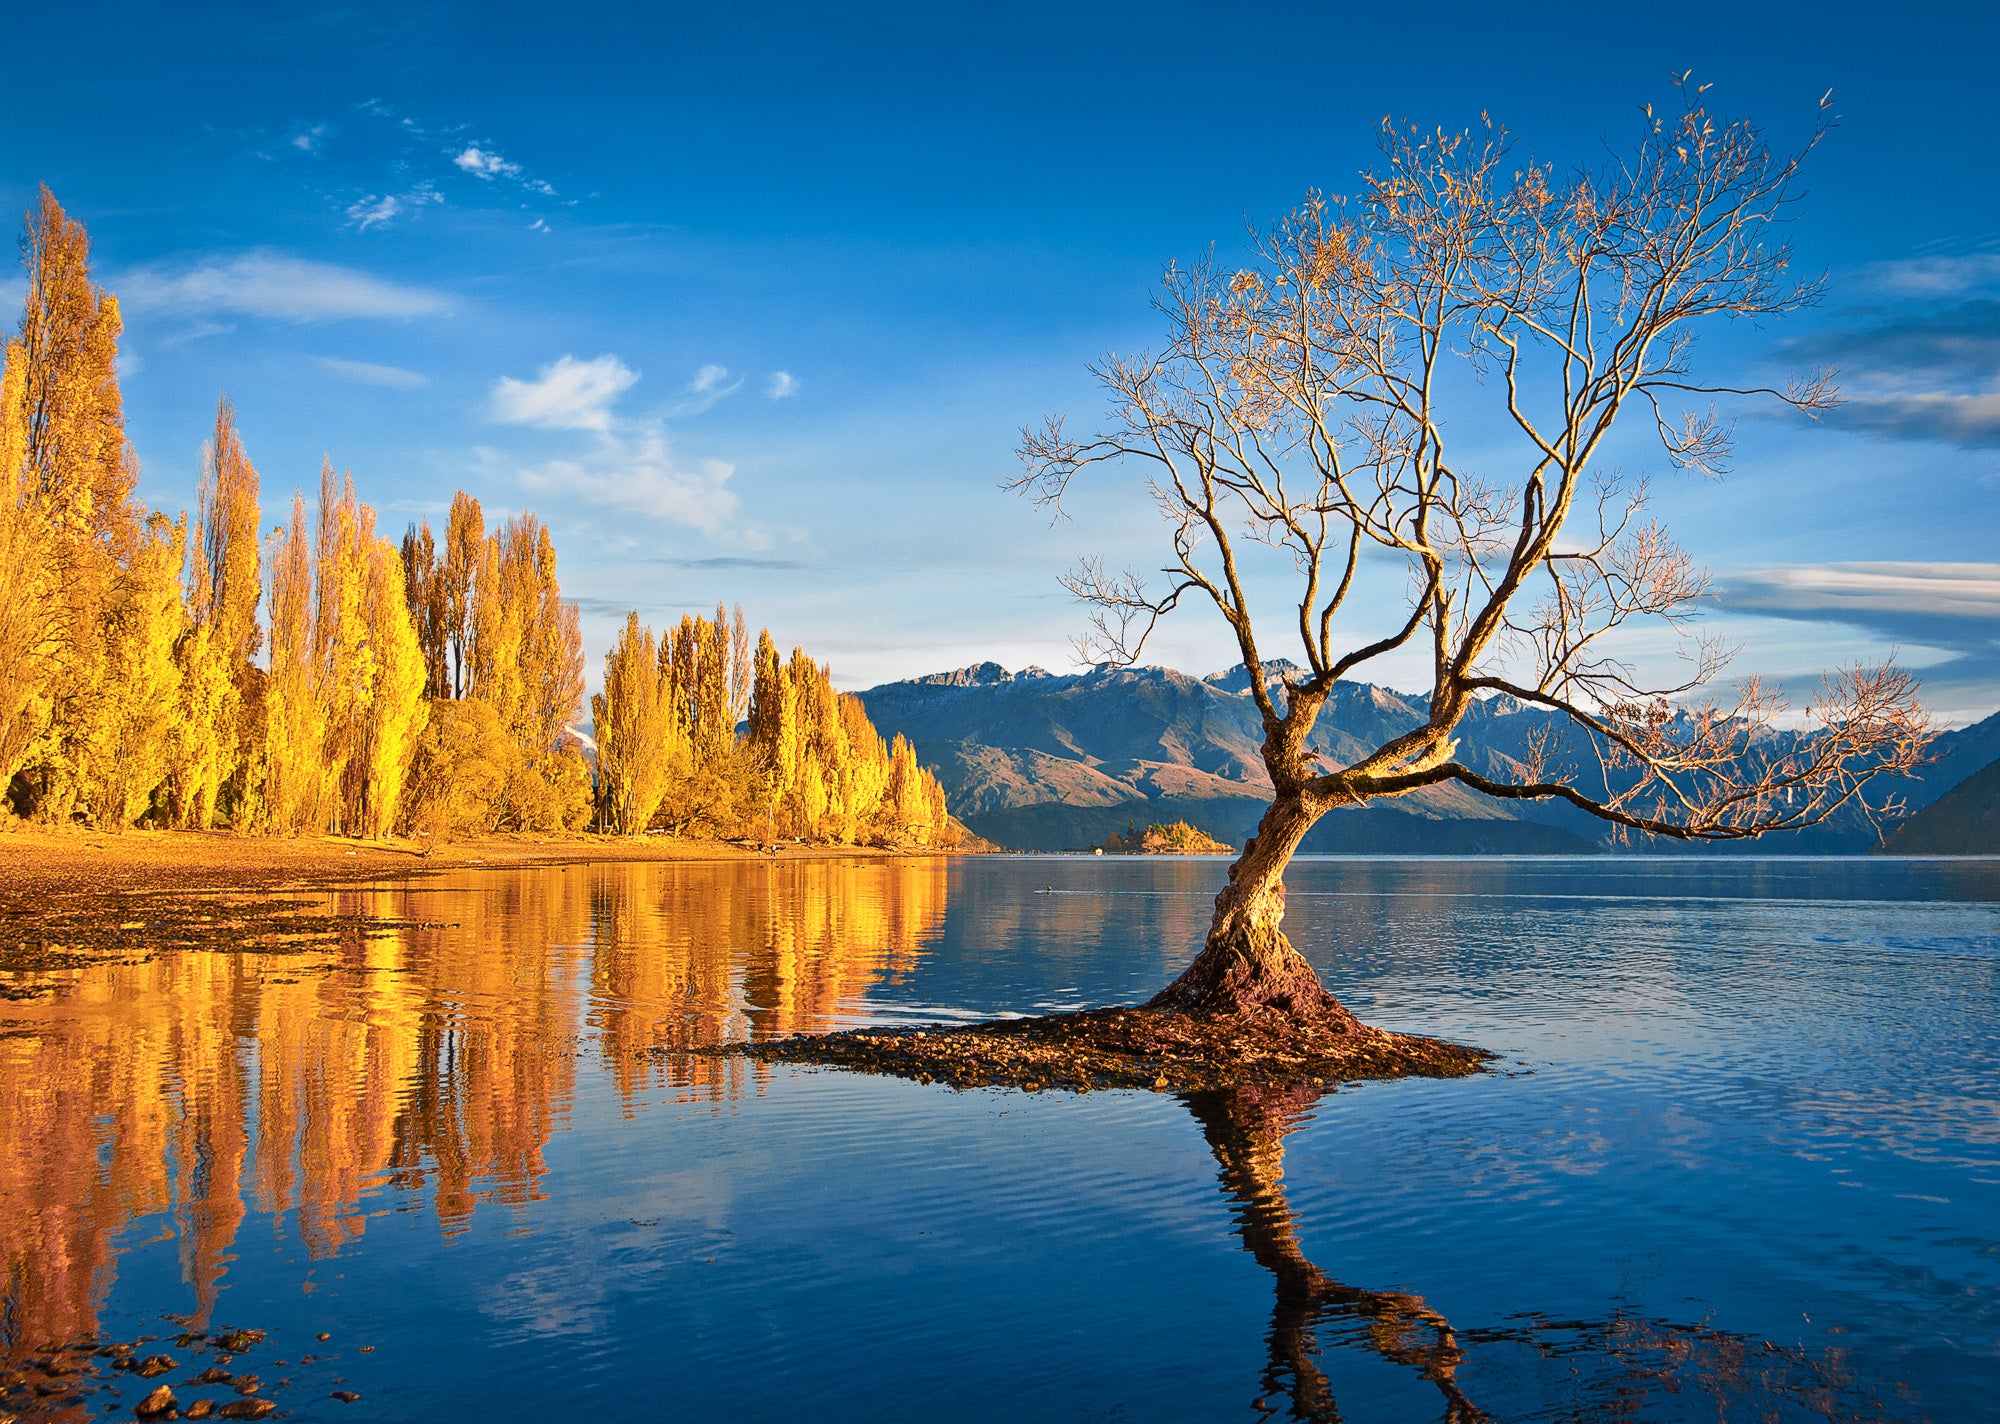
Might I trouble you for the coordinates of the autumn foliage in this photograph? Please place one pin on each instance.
(432, 687)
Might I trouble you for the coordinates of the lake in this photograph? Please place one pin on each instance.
(1740, 1159)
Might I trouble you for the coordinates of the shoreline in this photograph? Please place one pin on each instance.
(37, 862)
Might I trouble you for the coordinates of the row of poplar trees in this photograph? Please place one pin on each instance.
(137, 681)
(423, 688)
(674, 749)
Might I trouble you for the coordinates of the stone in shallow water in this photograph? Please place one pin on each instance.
(158, 1405)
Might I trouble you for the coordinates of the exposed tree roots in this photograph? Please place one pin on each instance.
(1134, 1048)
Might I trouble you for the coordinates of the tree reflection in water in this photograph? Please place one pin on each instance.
(1619, 1367)
(1245, 1127)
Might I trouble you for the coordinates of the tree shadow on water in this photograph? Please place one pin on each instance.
(1524, 1366)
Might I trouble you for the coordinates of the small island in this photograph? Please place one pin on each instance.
(1179, 838)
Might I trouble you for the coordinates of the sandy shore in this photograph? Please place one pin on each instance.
(36, 863)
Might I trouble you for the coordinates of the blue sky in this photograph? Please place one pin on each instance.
(749, 302)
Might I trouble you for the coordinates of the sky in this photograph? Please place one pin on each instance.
(750, 302)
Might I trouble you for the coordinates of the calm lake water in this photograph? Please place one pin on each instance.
(1743, 1161)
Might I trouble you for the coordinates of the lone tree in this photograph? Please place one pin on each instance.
(1338, 401)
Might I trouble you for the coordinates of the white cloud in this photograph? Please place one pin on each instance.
(1934, 275)
(783, 384)
(308, 140)
(1933, 590)
(711, 385)
(482, 164)
(641, 476)
(265, 284)
(567, 395)
(372, 211)
(367, 373)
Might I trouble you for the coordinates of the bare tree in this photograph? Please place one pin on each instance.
(1336, 402)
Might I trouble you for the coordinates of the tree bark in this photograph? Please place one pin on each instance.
(1247, 963)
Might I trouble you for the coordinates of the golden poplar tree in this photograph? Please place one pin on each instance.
(423, 581)
(639, 746)
(213, 736)
(343, 651)
(79, 473)
(128, 735)
(774, 734)
(293, 739)
(30, 603)
(525, 658)
(464, 549)
(396, 713)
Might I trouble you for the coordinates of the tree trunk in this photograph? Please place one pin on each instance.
(1247, 963)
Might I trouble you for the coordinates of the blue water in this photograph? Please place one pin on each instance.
(1740, 1159)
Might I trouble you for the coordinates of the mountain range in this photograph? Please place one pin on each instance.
(1034, 760)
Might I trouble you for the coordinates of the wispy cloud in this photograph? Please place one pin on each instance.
(367, 373)
(374, 210)
(733, 561)
(632, 467)
(1951, 607)
(267, 284)
(640, 475)
(1923, 361)
(1969, 420)
(482, 163)
(782, 384)
(568, 394)
(711, 385)
(378, 211)
(1865, 590)
(1933, 275)
(382, 167)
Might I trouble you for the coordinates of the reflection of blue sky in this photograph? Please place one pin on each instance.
(775, 291)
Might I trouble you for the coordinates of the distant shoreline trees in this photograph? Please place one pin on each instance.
(431, 687)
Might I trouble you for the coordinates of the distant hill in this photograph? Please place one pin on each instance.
(1963, 821)
(1041, 761)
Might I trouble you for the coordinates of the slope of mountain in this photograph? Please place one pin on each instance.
(1040, 761)
(1046, 762)
(1963, 821)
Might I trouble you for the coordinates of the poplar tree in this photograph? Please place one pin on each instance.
(464, 549)
(129, 734)
(30, 605)
(639, 742)
(294, 746)
(396, 713)
(222, 636)
(423, 584)
(79, 472)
